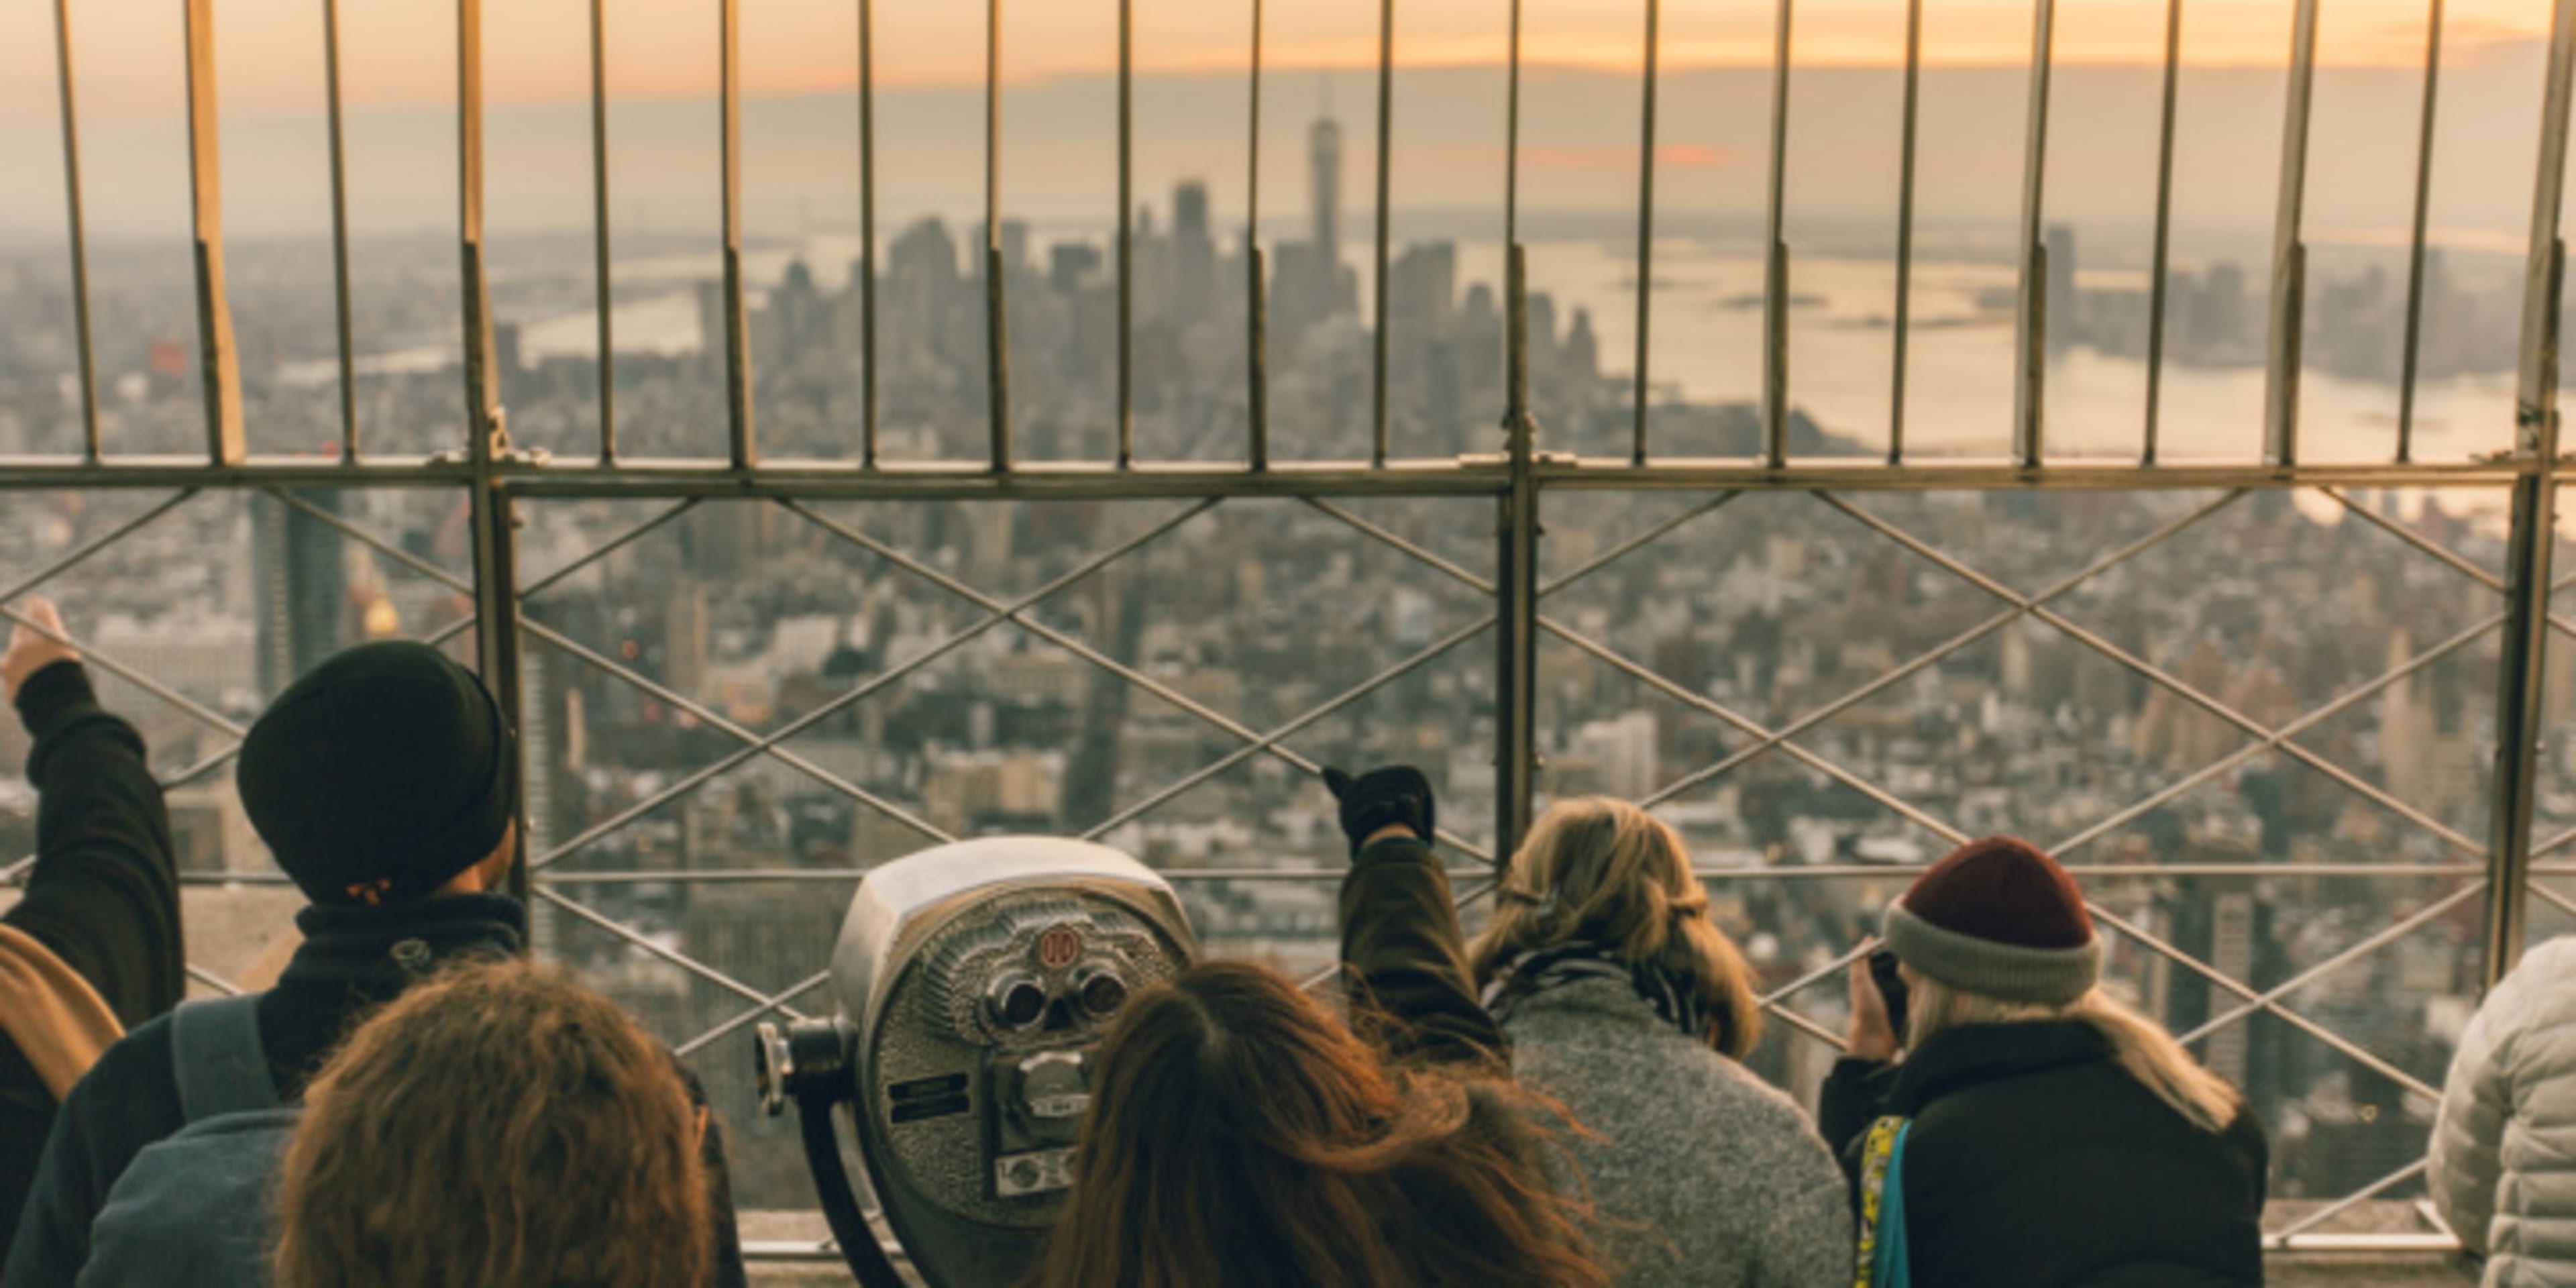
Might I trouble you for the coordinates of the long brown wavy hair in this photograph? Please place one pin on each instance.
(1240, 1134)
(1603, 871)
(501, 1126)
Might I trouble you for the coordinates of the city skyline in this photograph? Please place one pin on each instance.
(667, 300)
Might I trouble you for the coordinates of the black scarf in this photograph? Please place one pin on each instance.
(378, 952)
(1674, 995)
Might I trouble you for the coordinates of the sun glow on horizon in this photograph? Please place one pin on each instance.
(402, 55)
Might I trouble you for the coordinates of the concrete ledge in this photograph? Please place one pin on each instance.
(2294, 1270)
(2284, 1269)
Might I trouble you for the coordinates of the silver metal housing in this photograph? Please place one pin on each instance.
(901, 902)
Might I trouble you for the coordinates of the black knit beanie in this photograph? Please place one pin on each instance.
(380, 775)
(2000, 918)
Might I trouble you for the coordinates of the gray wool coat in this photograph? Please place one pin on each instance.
(1703, 1175)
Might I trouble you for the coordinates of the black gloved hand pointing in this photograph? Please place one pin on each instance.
(1391, 795)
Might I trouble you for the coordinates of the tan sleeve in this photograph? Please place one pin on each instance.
(58, 1021)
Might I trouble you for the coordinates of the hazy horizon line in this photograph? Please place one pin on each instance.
(39, 93)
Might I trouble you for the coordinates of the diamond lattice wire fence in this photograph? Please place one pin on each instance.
(736, 706)
(2269, 773)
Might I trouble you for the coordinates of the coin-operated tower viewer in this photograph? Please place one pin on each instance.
(972, 983)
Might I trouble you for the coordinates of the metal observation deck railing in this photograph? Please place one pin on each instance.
(2497, 870)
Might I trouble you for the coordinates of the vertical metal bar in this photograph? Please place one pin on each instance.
(485, 435)
(2290, 252)
(996, 319)
(220, 366)
(79, 235)
(1905, 232)
(1256, 336)
(2030, 393)
(2519, 710)
(340, 234)
(496, 631)
(1126, 233)
(1516, 587)
(1775, 260)
(2161, 259)
(1516, 406)
(1512, 141)
(599, 232)
(1258, 349)
(2518, 689)
(2536, 396)
(868, 233)
(1385, 170)
(1646, 225)
(2415, 247)
(496, 600)
(746, 452)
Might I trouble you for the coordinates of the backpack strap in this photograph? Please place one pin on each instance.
(1883, 1260)
(216, 1054)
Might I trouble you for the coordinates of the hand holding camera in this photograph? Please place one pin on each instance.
(1879, 998)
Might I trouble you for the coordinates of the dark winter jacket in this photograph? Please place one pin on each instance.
(2037, 1161)
(352, 960)
(102, 896)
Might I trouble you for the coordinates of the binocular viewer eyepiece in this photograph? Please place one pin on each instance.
(971, 985)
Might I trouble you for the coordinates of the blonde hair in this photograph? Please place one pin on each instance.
(1604, 871)
(2142, 1046)
(499, 1125)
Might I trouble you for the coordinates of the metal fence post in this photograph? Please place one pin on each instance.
(1127, 232)
(1385, 183)
(219, 365)
(74, 225)
(997, 317)
(2030, 378)
(1516, 591)
(2519, 710)
(340, 235)
(737, 326)
(2519, 700)
(496, 625)
(496, 599)
(1775, 257)
(1256, 303)
(2290, 250)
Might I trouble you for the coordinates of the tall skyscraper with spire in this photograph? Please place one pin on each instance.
(1308, 281)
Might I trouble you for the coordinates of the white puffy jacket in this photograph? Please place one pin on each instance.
(2504, 1149)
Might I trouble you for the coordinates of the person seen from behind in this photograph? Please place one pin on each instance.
(92, 942)
(384, 783)
(2504, 1145)
(2034, 1132)
(500, 1126)
(1240, 1134)
(1625, 1003)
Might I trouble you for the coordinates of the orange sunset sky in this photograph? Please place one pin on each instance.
(400, 52)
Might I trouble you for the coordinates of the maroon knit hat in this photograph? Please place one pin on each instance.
(2000, 918)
